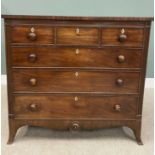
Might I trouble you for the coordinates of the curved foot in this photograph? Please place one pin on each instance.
(136, 128)
(10, 140)
(137, 132)
(13, 127)
(140, 142)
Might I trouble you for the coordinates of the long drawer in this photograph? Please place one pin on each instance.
(48, 80)
(76, 57)
(75, 106)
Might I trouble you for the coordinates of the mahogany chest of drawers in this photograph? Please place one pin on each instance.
(76, 72)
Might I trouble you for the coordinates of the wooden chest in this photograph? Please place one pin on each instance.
(76, 72)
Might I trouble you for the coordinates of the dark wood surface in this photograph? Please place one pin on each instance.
(76, 72)
(75, 106)
(67, 81)
(44, 35)
(134, 37)
(85, 18)
(77, 36)
(76, 57)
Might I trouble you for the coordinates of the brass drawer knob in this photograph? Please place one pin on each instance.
(32, 57)
(33, 107)
(77, 31)
(117, 108)
(122, 37)
(119, 82)
(76, 98)
(121, 58)
(32, 35)
(77, 51)
(76, 74)
(33, 81)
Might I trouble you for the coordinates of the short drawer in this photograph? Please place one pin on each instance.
(123, 37)
(77, 36)
(47, 80)
(33, 34)
(75, 106)
(76, 57)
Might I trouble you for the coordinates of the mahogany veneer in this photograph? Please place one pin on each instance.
(76, 72)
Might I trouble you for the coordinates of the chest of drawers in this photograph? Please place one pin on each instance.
(76, 72)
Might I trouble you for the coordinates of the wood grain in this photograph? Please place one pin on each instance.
(44, 34)
(68, 57)
(65, 106)
(110, 37)
(76, 72)
(68, 35)
(72, 18)
(67, 81)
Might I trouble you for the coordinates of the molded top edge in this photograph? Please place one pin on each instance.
(86, 18)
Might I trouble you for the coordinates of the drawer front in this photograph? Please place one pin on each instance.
(33, 35)
(37, 80)
(77, 36)
(72, 106)
(122, 37)
(76, 57)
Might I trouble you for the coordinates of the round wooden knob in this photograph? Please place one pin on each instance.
(75, 126)
(33, 81)
(32, 36)
(119, 82)
(121, 58)
(122, 37)
(117, 108)
(33, 107)
(32, 57)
